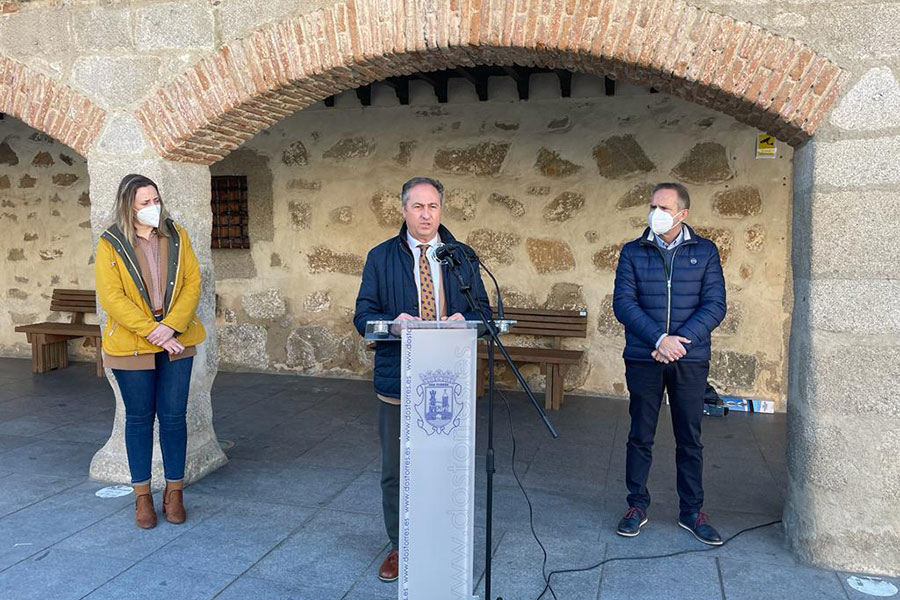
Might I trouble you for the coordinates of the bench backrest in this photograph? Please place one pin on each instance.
(556, 323)
(77, 302)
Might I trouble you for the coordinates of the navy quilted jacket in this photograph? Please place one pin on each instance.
(388, 288)
(688, 301)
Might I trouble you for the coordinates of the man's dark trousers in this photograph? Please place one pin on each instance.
(686, 383)
(389, 432)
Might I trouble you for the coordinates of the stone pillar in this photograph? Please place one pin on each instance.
(844, 407)
(185, 190)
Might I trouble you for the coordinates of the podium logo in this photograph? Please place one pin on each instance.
(439, 406)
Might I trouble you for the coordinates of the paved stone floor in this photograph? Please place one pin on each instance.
(295, 514)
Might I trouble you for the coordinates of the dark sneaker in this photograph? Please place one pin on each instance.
(630, 524)
(698, 524)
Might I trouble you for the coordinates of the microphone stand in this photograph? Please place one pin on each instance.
(494, 339)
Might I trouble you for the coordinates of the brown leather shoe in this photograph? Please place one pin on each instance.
(390, 568)
(144, 513)
(173, 503)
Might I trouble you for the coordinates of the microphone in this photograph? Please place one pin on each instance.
(444, 251)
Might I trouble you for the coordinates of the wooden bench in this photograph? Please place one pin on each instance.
(554, 361)
(49, 340)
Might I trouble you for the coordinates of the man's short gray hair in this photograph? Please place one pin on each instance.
(684, 198)
(404, 193)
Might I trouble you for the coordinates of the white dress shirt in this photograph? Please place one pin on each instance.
(435, 269)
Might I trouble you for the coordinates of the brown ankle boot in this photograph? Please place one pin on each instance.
(173, 503)
(144, 513)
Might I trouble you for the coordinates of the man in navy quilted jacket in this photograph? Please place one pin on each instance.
(669, 295)
(402, 281)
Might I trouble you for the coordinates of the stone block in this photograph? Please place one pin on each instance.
(325, 260)
(551, 164)
(706, 162)
(275, 260)
(515, 207)
(4, 182)
(607, 257)
(843, 306)
(566, 296)
(722, 238)
(620, 156)
(349, 148)
(237, 18)
(116, 81)
(872, 104)
(8, 155)
(342, 215)
(485, 158)
(515, 298)
(387, 208)
(102, 28)
(295, 155)
(122, 134)
(307, 185)
(264, 305)
(564, 207)
(494, 247)
(864, 31)
(404, 153)
(460, 205)
(15, 254)
(84, 199)
(301, 215)
(308, 347)
(854, 163)
(35, 33)
(549, 255)
(755, 237)
(43, 159)
(243, 345)
(174, 26)
(734, 316)
(26, 181)
(741, 201)
(561, 123)
(607, 324)
(639, 195)
(733, 371)
(318, 301)
(16, 294)
(50, 254)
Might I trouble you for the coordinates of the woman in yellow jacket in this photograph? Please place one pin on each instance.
(148, 282)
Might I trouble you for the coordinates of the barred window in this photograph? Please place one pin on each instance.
(230, 216)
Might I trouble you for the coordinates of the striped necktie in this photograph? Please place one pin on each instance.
(426, 284)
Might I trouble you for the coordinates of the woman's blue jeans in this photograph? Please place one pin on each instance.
(161, 393)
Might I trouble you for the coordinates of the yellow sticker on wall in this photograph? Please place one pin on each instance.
(765, 146)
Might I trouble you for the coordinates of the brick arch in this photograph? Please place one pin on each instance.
(777, 84)
(49, 106)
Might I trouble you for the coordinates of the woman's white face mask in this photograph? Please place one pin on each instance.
(149, 215)
(660, 221)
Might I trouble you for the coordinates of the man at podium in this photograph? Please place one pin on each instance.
(403, 280)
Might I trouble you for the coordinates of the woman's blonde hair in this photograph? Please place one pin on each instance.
(124, 208)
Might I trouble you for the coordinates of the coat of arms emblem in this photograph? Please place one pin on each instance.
(439, 404)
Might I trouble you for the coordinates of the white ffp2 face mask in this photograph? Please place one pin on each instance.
(149, 215)
(660, 221)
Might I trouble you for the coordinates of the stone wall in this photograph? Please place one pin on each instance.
(45, 232)
(546, 190)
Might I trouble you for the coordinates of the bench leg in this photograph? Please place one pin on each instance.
(48, 355)
(99, 357)
(549, 370)
(559, 378)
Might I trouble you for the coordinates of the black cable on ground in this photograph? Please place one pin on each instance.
(548, 576)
